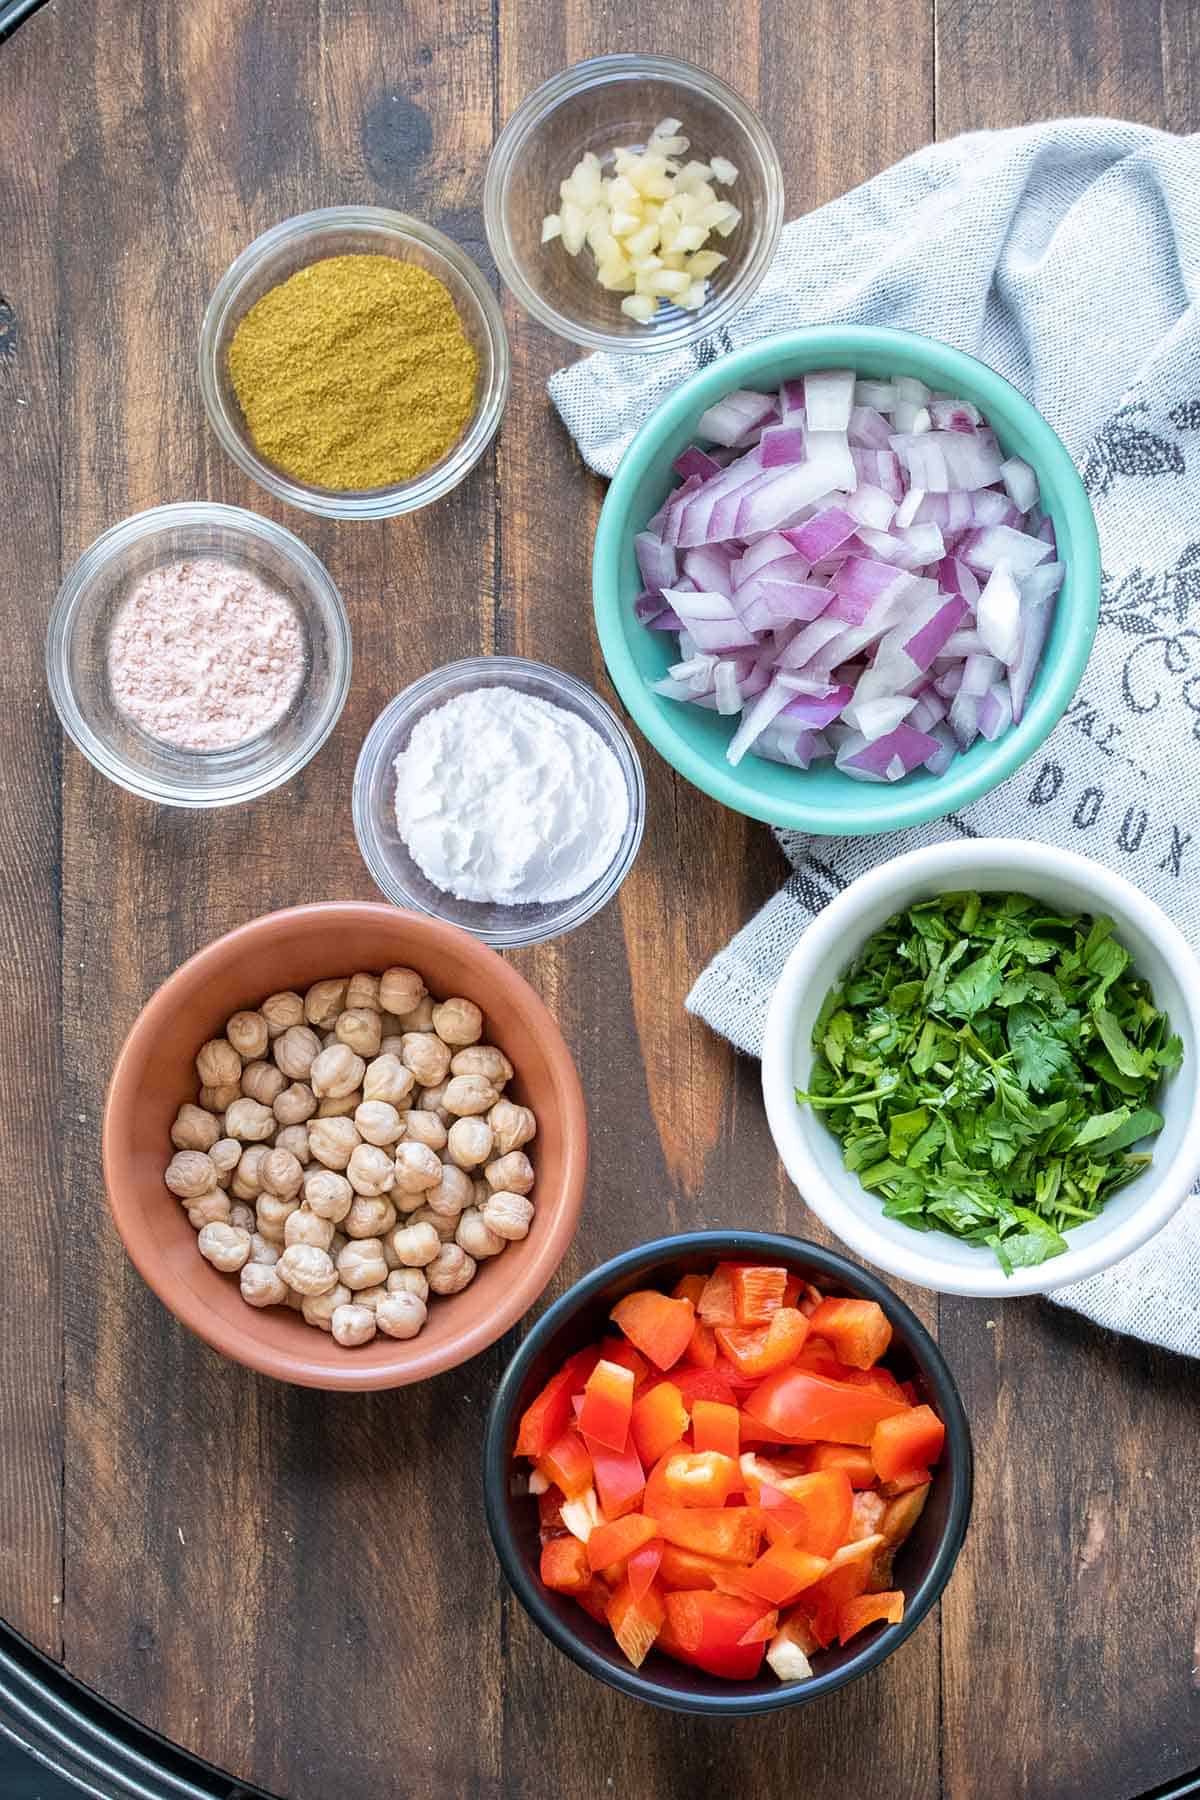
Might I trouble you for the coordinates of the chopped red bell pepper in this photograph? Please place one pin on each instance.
(659, 1420)
(548, 1416)
(846, 1578)
(780, 1574)
(658, 1496)
(656, 1325)
(810, 1512)
(701, 1352)
(715, 1427)
(853, 1459)
(620, 1351)
(715, 1306)
(691, 1569)
(757, 1349)
(902, 1513)
(567, 1463)
(703, 1384)
(612, 1543)
(594, 1599)
(689, 1287)
(619, 1479)
(643, 1566)
(701, 1478)
(607, 1405)
(636, 1620)
(730, 1533)
(903, 1484)
(757, 1293)
(859, 1330)
(763, 1630)
(856, 1615)
(910, 1441)
(793, 1292)
(565, 1566)
(807, 1407)
(706, 1629)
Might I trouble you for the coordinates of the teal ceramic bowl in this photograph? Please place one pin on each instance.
(693, 740)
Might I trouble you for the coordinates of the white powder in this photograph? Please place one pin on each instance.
(204, 655)
(504, 797)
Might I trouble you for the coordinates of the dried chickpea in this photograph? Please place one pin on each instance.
(387, 1079)
(280, 1173)
(369, 1217)
(194, 1129)
(296, 1051)
(295, 1139)
(263, 1251)
(452, 1270)
(443, 1223)
(415, 1245)
(318, 1309)
(485, 1060)
(352, 1325)
(377, 1122)
(306, 1269)
(263, 1082)
(426, 1055)
(416, 1168)
(273, 1212)
(513, 1125)
(470, 1142)
(425, 1128)
(363, 991)
(218, 1062)
(361, 1264)
(370, 1171)
(512, 1173)
(401, 1315)
(247, 1032)
(220, 1099)
(282, 1011)
(508, 1215)
(303, 1226)
(191, 1173)
(336, 1072)
(408, 1281)
(226, 1247)
(332, 1141)
(247, 1120)
(358, 1028)
(295, 1104)
(243, 1215)
(431, 1101)
(324, 1001)
(420, 1018)
(475, 1236)
(212, 1208)
(247, 1177)
(467, 1095)
(370, 1296)
(261, 1285)
(452, 1195)
(458, 1021)
(400, 990)
(330, 1196)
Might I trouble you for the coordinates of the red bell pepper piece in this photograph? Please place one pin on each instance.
(636, 1620)
(690, 1569)
(793, 1292)
(757, 1293)
(657, 1496)
(689, 1287)
(549, 1415)
(847, 1577)
(757, 1349)
(567, 1463)
(715, 1427)
(701, 1478)
(656, 1325)
(619, 1479)
(915, 1478)
(855, 1615)
(612, 1543)
(594, 1599)
(910, 1441)
(565, 1565)
(852, 1459)
(716, 1302)
(729, 1533)
(763, 1630)
(703, 1384)
(607, 1405)
(859, 1330)
(810, 1512)
(780, 1574)
(701, 1352)
(705, 1629)
(620, 1351)
(807, 1408)
(643, 1566)
(659, 1420)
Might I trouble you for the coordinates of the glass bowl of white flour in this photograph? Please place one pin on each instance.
(502, 795)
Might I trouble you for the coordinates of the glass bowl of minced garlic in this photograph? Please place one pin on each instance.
(633, 203)
(354, 362)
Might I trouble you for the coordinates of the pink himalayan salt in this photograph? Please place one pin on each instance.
(204, 655)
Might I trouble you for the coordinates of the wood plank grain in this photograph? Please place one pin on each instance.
(32, 1214)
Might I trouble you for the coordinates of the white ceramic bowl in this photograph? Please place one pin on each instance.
(813, 1156)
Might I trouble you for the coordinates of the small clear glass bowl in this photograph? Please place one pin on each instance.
(354, 231)
(598, 105)
(77, 655)
(385, 852)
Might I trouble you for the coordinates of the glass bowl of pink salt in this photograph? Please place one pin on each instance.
(198, 655)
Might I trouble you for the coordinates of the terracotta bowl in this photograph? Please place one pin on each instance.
(154, 1075)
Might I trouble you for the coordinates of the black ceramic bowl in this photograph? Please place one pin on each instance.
(923, 1564)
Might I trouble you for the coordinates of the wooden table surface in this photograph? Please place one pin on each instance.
(299, 1587)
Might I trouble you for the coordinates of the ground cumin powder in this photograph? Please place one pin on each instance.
(354, 373)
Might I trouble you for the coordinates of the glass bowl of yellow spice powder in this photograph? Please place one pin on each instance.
(354, 362)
